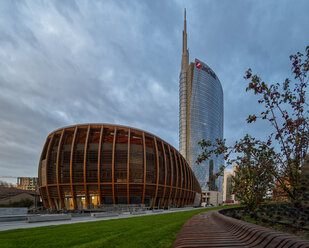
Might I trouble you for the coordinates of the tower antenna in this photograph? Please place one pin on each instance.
(185, 52)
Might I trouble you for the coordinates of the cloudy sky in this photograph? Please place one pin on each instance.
(118, 62)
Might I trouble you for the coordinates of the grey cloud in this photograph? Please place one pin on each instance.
(68, 62)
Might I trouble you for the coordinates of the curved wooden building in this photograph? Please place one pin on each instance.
(84, 166)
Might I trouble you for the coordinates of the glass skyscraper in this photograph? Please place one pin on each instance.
(200, 115)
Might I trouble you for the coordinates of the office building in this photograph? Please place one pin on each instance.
(200, 115)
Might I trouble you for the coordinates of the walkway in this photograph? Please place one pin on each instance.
(9, 225)
(212, 229)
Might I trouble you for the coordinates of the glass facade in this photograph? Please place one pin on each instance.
(204, 120)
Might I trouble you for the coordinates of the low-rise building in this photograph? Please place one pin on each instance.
(211, 198)
(28, 183)
(227, 193)
(234, 199)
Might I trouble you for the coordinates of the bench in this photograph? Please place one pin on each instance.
(104, 214)
(213, 229)
(174, 209)
(258, 236)
(157, 210)
(137, 211)
(48, 217)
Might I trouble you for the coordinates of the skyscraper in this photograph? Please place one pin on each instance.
(200, 114)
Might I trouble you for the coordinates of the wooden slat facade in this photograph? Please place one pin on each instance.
(169, 181)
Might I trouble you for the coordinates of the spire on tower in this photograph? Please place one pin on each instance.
(185, 22)
(185, 52)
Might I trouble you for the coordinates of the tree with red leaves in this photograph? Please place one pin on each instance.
(281, 157)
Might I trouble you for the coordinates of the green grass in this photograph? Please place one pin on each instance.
(144, 231)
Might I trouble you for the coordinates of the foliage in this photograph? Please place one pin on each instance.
(285, 108)
(255, 165)
(251, 182)
(286, 111)
(254, 175)
(144, 231)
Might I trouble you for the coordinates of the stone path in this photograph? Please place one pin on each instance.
(212, 229)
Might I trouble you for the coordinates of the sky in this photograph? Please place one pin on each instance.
(71, 62)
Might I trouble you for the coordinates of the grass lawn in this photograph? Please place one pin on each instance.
(144, 231)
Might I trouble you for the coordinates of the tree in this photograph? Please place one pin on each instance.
(285, 108)
(255, 165)
(254, 176)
